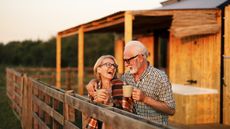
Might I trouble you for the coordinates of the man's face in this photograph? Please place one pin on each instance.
(131, 60)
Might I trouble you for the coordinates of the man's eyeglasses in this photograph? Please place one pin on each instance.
(128, 60)
(109, 65)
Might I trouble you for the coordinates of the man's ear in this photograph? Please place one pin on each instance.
(141, 58)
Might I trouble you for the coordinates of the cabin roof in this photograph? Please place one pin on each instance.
(195, 4)
(148, 20)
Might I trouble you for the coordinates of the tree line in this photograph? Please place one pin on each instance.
(43, 53)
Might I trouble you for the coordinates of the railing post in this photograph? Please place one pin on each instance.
(69, 112)
(26, 103)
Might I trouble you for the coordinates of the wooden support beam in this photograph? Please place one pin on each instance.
(93, 27)
(128, 26)
(118, 49)
(226, 87)
(58, 61)
(80, 60)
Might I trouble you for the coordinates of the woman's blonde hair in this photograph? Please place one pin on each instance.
(99, 62)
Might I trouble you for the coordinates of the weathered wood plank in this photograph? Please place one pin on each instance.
(226, 87)
(40, 99)
(118, 21)
(97, 24)
(197, 58)
(42, 125)
(55, 93)
(26, 104)
(42, 105)
(17, 109)
(16, 84)
(109, 117)
(18, 99)
(69, 125)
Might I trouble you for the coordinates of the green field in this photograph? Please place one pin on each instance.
(7, 118)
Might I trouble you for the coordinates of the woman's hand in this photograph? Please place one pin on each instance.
(102, 96)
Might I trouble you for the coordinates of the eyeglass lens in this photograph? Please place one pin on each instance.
(128, 60)
(110, 65)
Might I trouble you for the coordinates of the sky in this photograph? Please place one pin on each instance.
(41, 19)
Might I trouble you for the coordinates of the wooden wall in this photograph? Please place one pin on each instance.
(148, 41)
(197, 58)
(226, 115)
(195, 109)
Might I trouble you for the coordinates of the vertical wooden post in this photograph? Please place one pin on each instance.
(58, 61)
(118, 49)
(128, 26)
(26, 119)
(226, 87)
(80, 60)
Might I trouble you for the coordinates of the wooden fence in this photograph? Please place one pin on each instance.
(69, 76)
(41, 106)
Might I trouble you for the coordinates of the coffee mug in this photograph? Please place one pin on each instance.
(127, 90)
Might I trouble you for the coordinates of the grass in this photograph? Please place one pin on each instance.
(7, 118)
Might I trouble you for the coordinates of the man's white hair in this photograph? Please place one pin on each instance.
(139, 47)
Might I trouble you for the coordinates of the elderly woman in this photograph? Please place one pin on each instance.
(105, 70)
(107, 89)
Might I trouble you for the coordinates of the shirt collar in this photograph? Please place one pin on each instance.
(145, 73)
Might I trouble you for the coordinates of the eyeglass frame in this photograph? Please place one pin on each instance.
(129, 59)
(109, 65)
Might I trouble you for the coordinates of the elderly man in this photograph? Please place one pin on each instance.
(152, 92)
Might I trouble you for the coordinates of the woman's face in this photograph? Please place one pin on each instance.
(107, 69)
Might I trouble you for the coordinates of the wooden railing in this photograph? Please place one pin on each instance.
(69, 76)
(42, 106)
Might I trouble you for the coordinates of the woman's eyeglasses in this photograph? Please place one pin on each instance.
(128, 60)
(109, 65)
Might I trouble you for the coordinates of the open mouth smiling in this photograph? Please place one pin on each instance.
(110, 72)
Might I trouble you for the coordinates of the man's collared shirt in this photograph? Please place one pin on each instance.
(155, 84)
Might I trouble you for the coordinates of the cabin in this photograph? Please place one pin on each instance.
(188, 39)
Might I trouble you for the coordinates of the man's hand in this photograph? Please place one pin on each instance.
(138, 95)
(91, 87)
